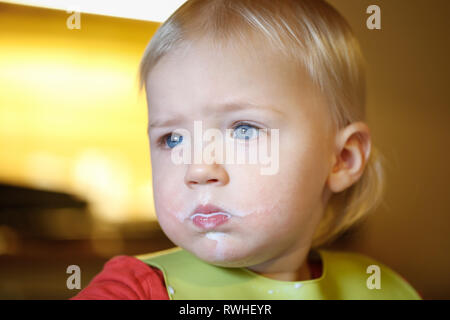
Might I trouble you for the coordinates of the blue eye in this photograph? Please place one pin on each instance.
(245, 131)
(171, 140)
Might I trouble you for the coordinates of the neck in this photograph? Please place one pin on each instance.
(292, 266)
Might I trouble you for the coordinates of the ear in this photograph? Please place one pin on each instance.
(353, 144)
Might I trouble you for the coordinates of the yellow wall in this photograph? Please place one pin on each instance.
(71, 117)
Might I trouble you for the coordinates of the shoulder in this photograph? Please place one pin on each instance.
(125, 278)
(370, 277)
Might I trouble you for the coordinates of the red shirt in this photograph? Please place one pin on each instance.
(128, 278)
(125, 278)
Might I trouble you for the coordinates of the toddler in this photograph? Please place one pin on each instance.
(277, 77)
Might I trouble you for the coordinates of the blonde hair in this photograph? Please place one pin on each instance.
(313, 35)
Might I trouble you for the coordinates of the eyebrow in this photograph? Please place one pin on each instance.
(223, 108)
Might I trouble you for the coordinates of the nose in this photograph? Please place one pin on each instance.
(207, 174)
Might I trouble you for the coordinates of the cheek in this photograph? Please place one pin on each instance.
(269, 199)
(287, 200)
(170, 203)
(267, 195)
(170, 211)
(304, 165)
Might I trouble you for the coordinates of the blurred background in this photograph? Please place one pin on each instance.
(75, 172)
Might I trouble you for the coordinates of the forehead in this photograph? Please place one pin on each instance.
(201, 76)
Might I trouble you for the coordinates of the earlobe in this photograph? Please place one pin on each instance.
(353, 145)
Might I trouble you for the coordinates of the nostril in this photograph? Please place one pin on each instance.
(212, 180)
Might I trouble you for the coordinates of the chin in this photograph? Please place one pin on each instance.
(221, 254)
(228, 259)
(221, 262)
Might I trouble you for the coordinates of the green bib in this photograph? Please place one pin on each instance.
(344, 276)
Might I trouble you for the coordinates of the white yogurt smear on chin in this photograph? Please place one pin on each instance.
(220, 238)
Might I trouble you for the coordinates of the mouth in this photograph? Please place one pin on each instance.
(209, 216)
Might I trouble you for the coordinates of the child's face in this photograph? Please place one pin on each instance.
(271, 215)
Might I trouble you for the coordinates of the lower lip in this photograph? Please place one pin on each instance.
(210, 221)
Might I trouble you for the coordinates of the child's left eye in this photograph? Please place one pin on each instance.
(245, 131)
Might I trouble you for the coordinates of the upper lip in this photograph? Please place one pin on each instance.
(207, 209)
